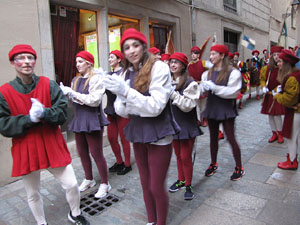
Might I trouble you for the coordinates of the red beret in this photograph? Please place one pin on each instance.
(255, 51)
(236, 53)
(134, 34)
(18, 49)
(220, 48)
(165, 56)
(265, 50)
(86, 55)
(288, 56)
(154, 50)
(276, 49)
(118, 53)
(181, 57)
(230, 55)
(195, 48)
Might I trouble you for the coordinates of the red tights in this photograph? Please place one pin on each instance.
(183, 150)
(153, 162)
(115, 128)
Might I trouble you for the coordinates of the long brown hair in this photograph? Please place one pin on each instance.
(224, 73)
(91, 73)
(183, 77)
(286, 69)
(143, 79)
(272, 64)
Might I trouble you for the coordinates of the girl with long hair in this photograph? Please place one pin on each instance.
(144, 99)
(86, 93)
(184, 109)
(289, 78)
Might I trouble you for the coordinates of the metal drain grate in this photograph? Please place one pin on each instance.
(94, 206)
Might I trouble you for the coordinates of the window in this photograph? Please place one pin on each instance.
(230, 6)
(159, 34)
(231, 40)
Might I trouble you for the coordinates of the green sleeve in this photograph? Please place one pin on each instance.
(57, 114)
(12, 126)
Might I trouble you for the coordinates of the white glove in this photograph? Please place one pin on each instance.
(66, 90)
(265, 90)
(274, 93)
(279, 89)
(116, 84)
(205, 85)
(100, 71)
(211, 85)
(36, 111)
(174, 94)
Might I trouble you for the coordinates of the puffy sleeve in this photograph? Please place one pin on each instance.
(183, 102)
(233, 87)
(263, 76)
(94, 97)
(290, 95)
(148, 106)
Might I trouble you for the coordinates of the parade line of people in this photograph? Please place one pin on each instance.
(156, 102)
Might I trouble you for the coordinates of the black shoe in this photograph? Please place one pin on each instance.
(116, 167)
(211, 170)
(176, 186)
(237, 174)
(78, 220)
(188, 194)
(125, 170)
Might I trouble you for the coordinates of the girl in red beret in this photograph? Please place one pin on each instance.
(289, 77)
(223, 84)
(116, 122)
(184, 109)
(144, 99)
(269, 83)
(86, 93)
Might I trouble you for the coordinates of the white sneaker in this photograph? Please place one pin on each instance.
(103, 190)
(86, 184)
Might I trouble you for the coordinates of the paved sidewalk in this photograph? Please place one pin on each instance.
(266, 195)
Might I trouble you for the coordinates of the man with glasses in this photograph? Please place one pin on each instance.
(31, 109)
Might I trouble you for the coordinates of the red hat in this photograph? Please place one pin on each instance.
(220, 48)
(230, 55)
(118, 53)
(236, 53)
(181, 57)
(17, 49)
(133, 33)
(86, 55)
(276, 49)
(195, 48)
(255, 51)
(165, 56)
(288, 56)
(154, 50)
(265, 50)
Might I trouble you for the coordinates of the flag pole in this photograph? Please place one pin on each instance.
(283, 25)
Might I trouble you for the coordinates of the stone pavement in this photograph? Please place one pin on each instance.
(266, 195)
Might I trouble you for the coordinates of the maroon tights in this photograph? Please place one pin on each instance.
(115, 128)
(229, 132)
(153, 162)
(92, 142)
(183, 150)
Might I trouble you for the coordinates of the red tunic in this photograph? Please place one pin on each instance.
(42, 146)
(269, 105)
(196, 69)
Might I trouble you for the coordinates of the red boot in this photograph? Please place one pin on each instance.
(288, 164)
(280, 138)
(221, 135)
(257, 97)
(249, 97)
(274, 137)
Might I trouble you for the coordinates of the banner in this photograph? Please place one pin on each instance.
(248, 43)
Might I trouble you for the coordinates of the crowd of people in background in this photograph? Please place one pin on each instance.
(155, 102)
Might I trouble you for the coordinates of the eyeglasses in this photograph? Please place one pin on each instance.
(23, 58)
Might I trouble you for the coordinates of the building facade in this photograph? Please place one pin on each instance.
(58, 29)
